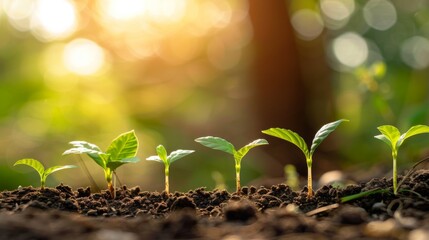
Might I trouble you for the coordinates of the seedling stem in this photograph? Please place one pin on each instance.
(393, 138)
(221, 144)
(162, 157)
(297, 140)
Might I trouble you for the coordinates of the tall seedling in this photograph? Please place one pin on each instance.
(393, 138)
(121, 150)
(221, 144)
(296, 139)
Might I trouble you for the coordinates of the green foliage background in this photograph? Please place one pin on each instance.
(176, 95)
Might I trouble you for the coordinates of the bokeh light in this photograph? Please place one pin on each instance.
(123, 9)
(307, 23)
(415, 52)
(19, 12)
(336, 13)
(83, 57)
(53, 19)
(350, 49)
(380, 14)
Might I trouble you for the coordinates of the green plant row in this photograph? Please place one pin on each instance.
(123, 149)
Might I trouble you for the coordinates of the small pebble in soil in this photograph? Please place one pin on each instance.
(419, 234)
(351, 215)
(113, 234)
(332, 177)
(382, 229)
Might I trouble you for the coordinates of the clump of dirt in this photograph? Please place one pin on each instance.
(253, 213)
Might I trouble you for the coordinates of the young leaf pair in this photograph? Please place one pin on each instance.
(38, 166)
(393, 138)
(298, 141)
(221, 144)
(121, 150)
(162, 157)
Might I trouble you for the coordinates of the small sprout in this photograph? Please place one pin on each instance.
(121, 150)
(219, 180)
(162, 157)
(38, 166)
(221, 144)
(292, 178)
(393, 138)
(298, 141)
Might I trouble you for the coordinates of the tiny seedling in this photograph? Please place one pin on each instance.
(221, 144)
(292, 177)
(162, 157)
(296, 139)
(38, 166)
(393, 138)
(121, 150)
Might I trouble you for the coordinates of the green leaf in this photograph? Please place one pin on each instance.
(289, 136)
(92, 150)
(178, 154)
(41, 169)
(155, 158)
(57, 168)
(384, 139)
(238, 155)
(414, 130)
(124, 146)
(323, 133)
(391, 135)
(114, 164)
(363, 194)
(216, 143)
(162, 153)
(38, 166)
(82, 147)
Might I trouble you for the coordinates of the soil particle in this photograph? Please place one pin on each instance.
(240, 211)
(183, 202)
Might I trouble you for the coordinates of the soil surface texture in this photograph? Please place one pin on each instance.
(253, 213)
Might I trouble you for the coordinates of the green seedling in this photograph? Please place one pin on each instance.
(393, 138)
(292, 178)
(386, 190)
(162, 157)
(297, 140)
(38, 166)
(221, 144)
(121, 150)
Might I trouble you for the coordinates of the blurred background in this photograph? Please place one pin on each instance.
(175, 70)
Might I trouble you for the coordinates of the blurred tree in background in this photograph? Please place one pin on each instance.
(174, 70)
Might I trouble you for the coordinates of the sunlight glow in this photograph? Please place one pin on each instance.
(54, 19)
(83, 57)
(154, 10)
(350, 49)
(123, 9)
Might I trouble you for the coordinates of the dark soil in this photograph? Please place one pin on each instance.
(254, 213)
